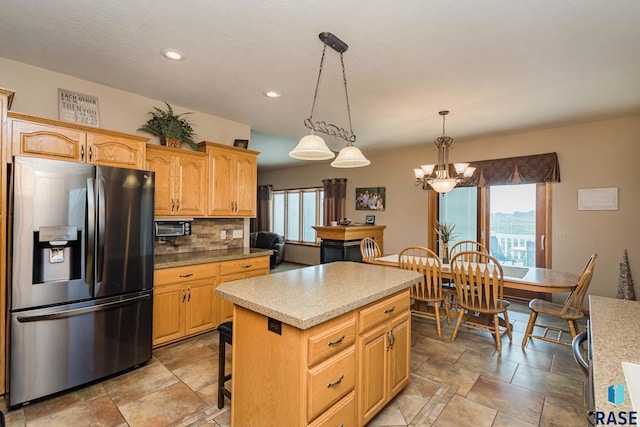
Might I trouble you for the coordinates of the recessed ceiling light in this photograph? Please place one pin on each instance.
(172, 54)
(271, 94)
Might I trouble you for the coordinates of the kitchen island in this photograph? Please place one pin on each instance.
(321, 345)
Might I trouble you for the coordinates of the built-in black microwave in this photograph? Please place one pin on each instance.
(173, 227)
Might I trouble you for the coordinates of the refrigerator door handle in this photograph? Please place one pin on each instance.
(77, 311)
(101, 226)
(90, 234)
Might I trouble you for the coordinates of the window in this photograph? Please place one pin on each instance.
(295, 212)
(511, 220)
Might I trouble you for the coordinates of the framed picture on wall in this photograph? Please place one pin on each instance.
(241, 143)
(371, 198)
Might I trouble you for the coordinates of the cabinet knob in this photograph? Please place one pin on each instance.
(82, 152)
(90, 153)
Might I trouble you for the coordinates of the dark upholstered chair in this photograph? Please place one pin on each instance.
(268, 240)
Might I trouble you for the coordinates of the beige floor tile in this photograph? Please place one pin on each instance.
(199, 374)
(461, 412)
(565, 364)
(50, 406)
(163, 407)
(523, 404)
(557, 413)
(504, 420)
(97, 412)
(492, 366)
(138, 383)
(390, 416)
(184, 353)
(449, 374)
(530, 357)
(435, 349)
(554, 385)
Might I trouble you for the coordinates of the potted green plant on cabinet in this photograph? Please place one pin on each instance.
(172, 129)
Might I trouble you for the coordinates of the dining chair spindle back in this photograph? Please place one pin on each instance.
(570, 311)
(478, 278)
(369, 248)
(427, 294)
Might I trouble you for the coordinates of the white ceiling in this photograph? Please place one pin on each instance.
(500, 66)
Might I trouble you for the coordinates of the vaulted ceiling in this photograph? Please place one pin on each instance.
(500, 66)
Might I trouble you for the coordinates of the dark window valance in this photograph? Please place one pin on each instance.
(515, 170)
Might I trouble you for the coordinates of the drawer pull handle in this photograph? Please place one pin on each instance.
(186, 275)
(390, 310)
(247, 266)
(336, 342)
(336, 382)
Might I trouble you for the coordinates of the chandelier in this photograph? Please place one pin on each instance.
(312, 146)
(437, 176)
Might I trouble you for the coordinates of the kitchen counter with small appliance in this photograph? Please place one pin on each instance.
(205, 257)
(81, 285)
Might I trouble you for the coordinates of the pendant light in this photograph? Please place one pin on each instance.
(312, 146)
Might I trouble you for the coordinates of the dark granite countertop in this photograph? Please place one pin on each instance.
(203, 257)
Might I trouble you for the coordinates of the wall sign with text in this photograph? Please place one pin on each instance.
(78, 108)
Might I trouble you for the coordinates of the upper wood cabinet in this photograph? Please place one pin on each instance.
(38, 137)
(181, 181)
(233, 180)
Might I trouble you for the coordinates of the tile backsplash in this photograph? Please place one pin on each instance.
(205, 236)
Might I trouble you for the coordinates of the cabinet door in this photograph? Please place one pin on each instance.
(372, 372)
(115, 151)
(225, 307)
(399, 354)
(220, 190)
(47, 141)
(168, 313)
(200, 307)
(191, 184)
(162, 164)
(246, 183)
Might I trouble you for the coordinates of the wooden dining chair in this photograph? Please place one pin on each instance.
(467, 246)
(427, 294)
(479, 286)
(369, 248)
(570, 311)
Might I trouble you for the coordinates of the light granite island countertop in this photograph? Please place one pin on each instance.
(312, 295)
(615, 338)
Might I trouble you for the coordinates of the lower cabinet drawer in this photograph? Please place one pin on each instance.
(342, 414)
(330, 381)
(242, 265)
(382, 311)
(332, 339)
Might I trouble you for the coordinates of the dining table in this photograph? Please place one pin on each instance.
(533, 279)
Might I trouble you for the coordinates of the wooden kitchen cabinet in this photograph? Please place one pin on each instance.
(236, 270)
(233, 178)
(183, 302)
(181, 181)
(39, 137)
(384, 347)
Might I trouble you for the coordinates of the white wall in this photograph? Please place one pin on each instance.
(591, 155)
(36, 93)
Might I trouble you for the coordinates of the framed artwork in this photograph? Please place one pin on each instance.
(78, 107)
(241, 143)
(371, 198)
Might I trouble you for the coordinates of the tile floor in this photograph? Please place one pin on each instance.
(460, 383)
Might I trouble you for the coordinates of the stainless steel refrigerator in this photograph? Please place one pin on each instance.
(81, 273)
